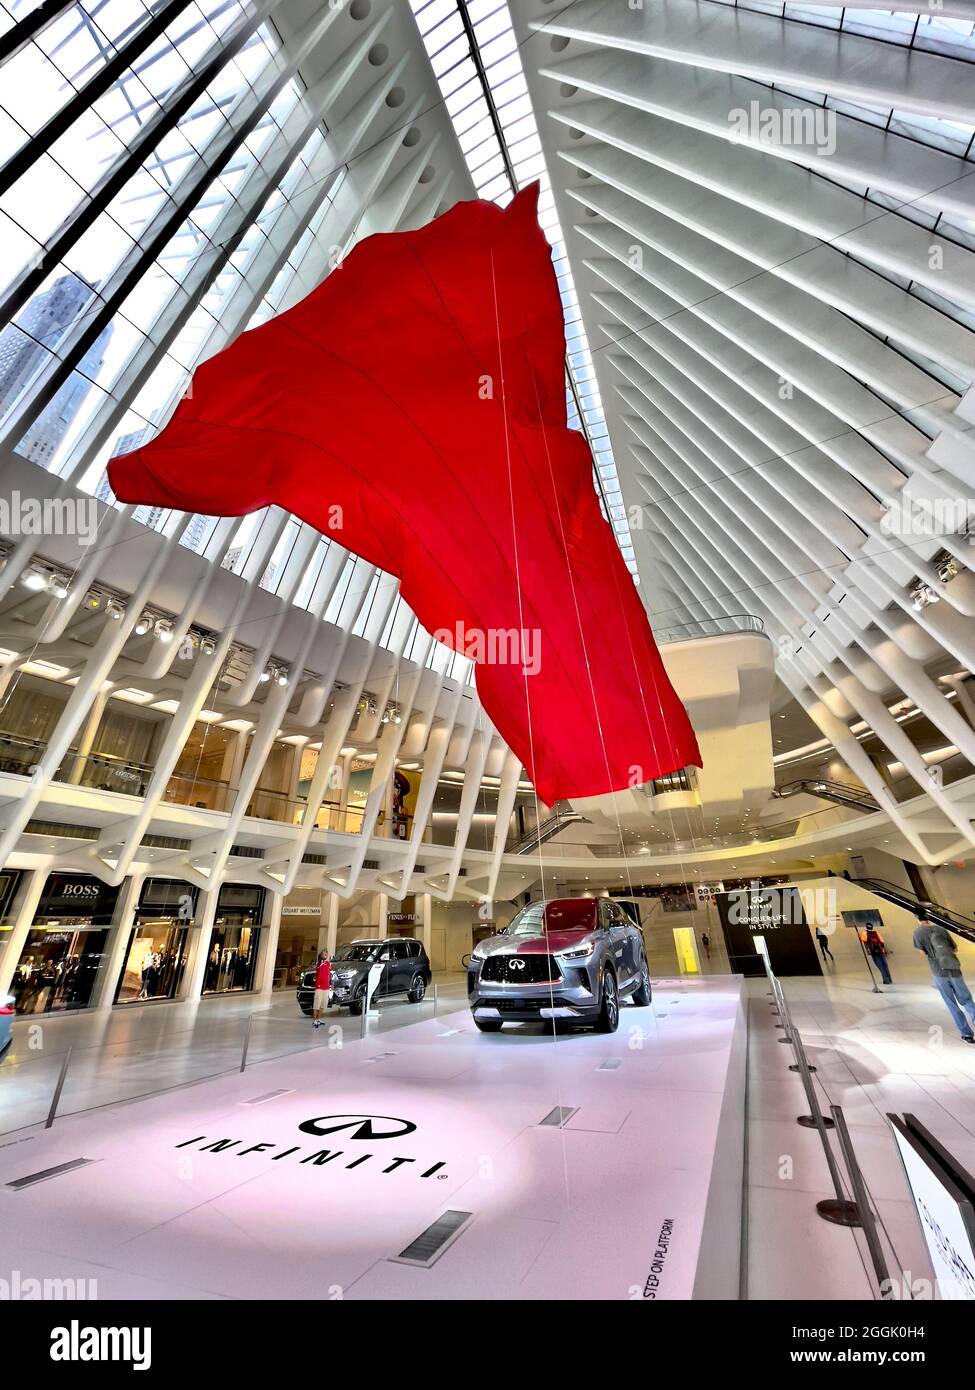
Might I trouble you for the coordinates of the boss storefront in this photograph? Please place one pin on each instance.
(155, 958)
(65, 946)
(232, 960)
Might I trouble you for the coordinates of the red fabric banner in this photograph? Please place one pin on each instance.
(412, 408)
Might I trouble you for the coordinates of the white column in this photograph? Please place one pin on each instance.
(90, 729)
(264, 982)
(383, 903)
(23, 921)
(103, 995)
(200, 944)
(426, 909)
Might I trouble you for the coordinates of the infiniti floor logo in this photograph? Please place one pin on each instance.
(357, 1130)
(362, 1126)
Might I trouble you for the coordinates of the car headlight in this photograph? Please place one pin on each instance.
(577, 952)
(478, 953)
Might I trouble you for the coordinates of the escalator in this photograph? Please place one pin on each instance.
(955, 922)
(546, 829)
(840, 793)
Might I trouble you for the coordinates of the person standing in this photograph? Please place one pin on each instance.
(323, 988)
(822, 940)
(706, 943)
(942, 956)
(874, 943)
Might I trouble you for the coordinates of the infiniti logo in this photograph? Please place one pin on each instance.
(516, 964)
(362, 1126)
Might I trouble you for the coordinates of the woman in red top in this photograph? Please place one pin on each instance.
(323, 988)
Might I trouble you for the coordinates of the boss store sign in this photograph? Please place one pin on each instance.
(77, 896)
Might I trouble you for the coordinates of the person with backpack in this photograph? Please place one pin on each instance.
(877, 950)
(942, 956)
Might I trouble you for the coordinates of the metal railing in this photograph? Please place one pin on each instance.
(945, 917)
(708, 627)
(848, 1206)
(841, 793)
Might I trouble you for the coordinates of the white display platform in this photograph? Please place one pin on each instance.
(653, 1145)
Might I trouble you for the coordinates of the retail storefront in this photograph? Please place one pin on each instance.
(65, 946)
(236, 939)
(155, 958)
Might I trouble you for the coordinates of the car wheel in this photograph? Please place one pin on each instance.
(306, 1012)
(644, 993)
(358, 1003)
(417, 990)
(609, 1008)
(488, 1025)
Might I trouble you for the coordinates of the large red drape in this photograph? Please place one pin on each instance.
(412, 408)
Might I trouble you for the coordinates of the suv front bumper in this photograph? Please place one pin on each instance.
(575, 995)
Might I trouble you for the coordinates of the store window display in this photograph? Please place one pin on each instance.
(155, 960)
(66, 945)
(234, 944)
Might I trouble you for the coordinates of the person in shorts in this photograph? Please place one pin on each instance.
(323, 988)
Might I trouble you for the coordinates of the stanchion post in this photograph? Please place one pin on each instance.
(58, 1089)
(838, 1210)
(247, 1042)
(861, 1200)
(436, 1000)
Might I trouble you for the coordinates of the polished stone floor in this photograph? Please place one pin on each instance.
(569, 1162)
(875, 1053)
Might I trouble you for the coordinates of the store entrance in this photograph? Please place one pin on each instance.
(232, 961)
(154, 963)
(57, 970)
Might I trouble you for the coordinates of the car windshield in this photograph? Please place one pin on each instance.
(359, 950)
(559, 914)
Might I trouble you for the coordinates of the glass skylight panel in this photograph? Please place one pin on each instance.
(498, 53)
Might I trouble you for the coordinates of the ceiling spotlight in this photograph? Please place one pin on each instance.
(34, 580)
(281, 676)
(143, 625)
(164, 630)
(396, 717)
(922, 596)
(208, 646)
(385, 716)
(265, 675)
(93, 601)
(946, 566)
(115, 609)
(58, 585)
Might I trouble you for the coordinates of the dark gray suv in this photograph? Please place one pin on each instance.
(406, 970)
(562, 960)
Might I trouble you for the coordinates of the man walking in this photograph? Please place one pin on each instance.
(323, 988)
(942, 956)
(823, 942)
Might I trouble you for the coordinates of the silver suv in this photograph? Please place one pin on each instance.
(569, 960)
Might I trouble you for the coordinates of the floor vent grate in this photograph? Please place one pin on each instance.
(432, 1242)
(45, 1174)
(268, 1095)
(610, 1064)
(560, 1116)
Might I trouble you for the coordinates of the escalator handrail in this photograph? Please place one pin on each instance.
(903, 897)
